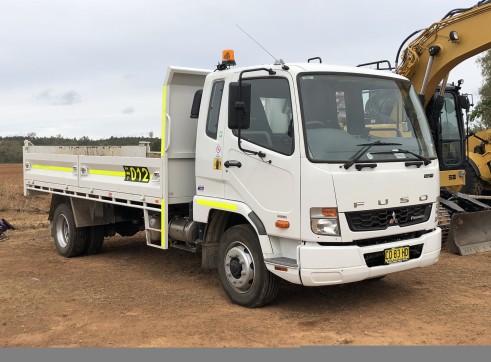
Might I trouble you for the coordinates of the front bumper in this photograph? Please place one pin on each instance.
(326, 265)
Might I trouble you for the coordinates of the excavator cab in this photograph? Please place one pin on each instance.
(466, 231)
(448, 129)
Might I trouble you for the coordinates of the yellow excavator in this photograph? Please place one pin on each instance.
(479, 157)
(427, 62)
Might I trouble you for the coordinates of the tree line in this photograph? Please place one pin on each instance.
(481, 115)
(11, 147)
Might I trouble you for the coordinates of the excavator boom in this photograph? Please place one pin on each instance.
(454, 39)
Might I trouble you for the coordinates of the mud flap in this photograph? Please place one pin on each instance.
(470, 232)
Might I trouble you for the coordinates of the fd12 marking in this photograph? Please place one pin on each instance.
(136, 174)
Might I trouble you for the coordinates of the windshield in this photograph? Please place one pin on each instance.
(343, 112)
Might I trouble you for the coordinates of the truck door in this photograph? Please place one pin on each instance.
(269, 182)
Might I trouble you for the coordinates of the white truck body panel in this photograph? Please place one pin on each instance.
(148, 181)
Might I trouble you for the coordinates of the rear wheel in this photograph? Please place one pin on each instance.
(69, 240)
(95, 240)
(242, 271)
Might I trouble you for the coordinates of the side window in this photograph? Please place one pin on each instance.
(450, 123)
(450, 146)
(271, 115)
(214, 110)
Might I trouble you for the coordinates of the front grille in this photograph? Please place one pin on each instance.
(391, 238)
(382, 219)
(378, 258)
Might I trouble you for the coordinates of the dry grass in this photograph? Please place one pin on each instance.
(11, 196)
(22, 212)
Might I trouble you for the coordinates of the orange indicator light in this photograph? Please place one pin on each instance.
(282, 224)
(330, 212)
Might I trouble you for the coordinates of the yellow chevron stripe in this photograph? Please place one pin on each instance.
(107, 173)
(218, 205)
(53, 168)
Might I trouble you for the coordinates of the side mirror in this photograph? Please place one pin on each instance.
(196, 103)
(239, 106)
(464, 102)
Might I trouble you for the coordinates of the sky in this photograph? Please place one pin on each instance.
(95, 68)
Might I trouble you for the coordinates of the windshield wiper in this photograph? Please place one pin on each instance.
(426, 160)
(366, 147)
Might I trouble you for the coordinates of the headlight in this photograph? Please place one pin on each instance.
(324, 221)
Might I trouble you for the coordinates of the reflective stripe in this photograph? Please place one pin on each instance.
(107, 173)
(164, 115)
(53, 168)
(217, 205)
(162, 223)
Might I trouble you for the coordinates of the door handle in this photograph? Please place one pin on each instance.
(228, 164)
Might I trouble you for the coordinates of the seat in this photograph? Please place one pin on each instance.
(317, 111)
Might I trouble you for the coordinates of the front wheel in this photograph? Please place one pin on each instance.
(242, 272)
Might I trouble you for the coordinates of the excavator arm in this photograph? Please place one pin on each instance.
(445, 44)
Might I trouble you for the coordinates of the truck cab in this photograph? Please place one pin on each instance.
(331, 197)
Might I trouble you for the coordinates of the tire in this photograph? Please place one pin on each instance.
(95, 240)
(242, 272)
(473, 184)
(70, 241)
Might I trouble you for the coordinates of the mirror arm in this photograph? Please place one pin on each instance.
(240, 105)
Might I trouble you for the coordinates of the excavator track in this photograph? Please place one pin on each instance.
(444, 223)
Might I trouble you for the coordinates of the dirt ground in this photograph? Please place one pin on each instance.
(131, 295)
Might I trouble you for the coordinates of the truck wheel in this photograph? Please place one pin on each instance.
(94, 240)
(242, 271)
(69, 240)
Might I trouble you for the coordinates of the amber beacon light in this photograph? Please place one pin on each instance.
(228, 57)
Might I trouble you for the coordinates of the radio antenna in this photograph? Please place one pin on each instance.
(280, 61)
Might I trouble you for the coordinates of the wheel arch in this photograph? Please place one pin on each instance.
(55, 201)
(217, 222)
(473, 164)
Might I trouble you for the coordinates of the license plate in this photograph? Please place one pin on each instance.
(396, 255)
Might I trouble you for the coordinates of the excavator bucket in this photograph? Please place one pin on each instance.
(469, 232)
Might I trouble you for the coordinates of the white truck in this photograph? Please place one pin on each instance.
(270, 172)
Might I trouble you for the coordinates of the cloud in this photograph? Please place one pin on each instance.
(128, 110)
(58, 99)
